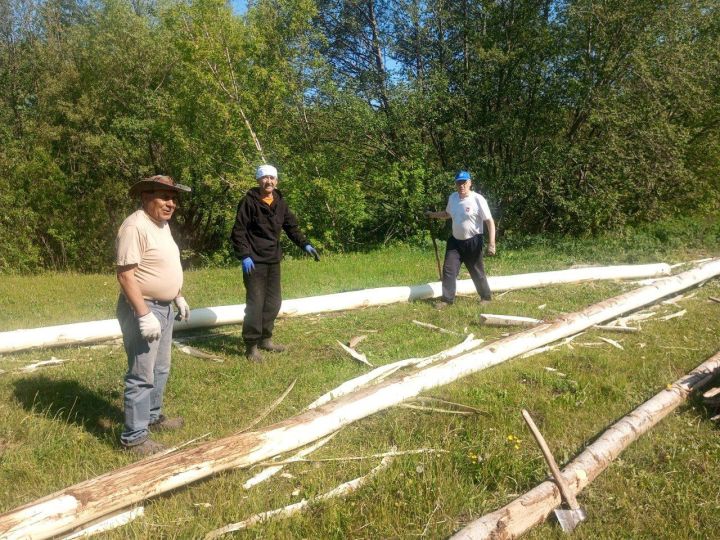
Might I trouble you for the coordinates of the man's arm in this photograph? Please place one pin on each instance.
(292, 229)
(490, 224)
(131, 289)
(238, 237)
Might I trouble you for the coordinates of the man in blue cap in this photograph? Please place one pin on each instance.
(469, 212)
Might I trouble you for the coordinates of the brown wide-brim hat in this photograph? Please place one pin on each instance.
(157, 182)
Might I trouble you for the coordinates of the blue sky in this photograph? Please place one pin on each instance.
(239, 6)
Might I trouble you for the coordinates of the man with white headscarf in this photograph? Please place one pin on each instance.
(261, 216)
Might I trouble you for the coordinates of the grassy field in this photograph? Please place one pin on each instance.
(60, 425)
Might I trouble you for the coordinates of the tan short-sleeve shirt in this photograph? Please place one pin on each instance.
(151, 247)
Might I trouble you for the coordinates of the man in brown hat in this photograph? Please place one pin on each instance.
(151, 278)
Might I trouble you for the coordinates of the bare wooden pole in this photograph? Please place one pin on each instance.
(96, 497)
(94, 331)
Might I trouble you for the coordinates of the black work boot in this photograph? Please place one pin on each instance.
(268, 345)
(252, 353)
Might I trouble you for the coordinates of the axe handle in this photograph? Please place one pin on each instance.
(437, 255)
(568, 495)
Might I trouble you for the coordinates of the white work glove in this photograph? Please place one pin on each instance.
(183, 308)
(149, 326)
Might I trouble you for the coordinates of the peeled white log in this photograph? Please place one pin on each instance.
(94, 331)
(111, 491)
(533, 507)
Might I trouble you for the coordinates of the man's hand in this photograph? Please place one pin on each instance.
(248, 265)
(312, 251)
(183, 308)
(491, 249)
(149, 327)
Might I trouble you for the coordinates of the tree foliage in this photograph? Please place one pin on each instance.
(573, 116)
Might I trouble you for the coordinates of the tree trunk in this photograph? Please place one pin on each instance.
(99, 496)
(533, 507)
(94, 331)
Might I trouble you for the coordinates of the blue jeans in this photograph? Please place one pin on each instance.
(148, 369)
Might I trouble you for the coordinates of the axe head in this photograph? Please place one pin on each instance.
(569, 519)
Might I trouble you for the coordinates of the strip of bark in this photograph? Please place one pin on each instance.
(287, 511)
(381, 371)
(277, 466)
(270, 408)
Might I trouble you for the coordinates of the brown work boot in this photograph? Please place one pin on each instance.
(440, 304)
(268, 345)
(146, 448)
(163, 423)
(252, 353)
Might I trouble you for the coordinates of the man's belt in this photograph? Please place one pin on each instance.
(163, 303)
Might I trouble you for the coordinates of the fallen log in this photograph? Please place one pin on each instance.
(532, 508)
(94, 331)
(93, 498)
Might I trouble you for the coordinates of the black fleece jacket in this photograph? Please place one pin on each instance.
(256, 232)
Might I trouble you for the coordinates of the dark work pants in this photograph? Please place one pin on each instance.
(470, 253)
(262, 302)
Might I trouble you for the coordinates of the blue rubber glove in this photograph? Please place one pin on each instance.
(248, 265)
(312, 251)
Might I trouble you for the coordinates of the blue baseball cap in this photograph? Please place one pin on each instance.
(462, 176)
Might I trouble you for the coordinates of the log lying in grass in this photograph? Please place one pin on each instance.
(94, 331)
(536, 505)
(102, 495)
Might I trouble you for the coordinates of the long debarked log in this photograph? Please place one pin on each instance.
(94, 331)
(533, 507)
(114, 490)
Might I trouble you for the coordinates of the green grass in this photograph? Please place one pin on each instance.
(60, 425)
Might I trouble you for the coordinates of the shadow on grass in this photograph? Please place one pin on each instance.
(70, 402)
